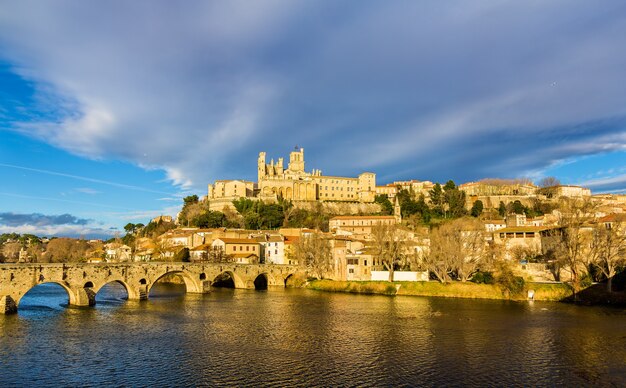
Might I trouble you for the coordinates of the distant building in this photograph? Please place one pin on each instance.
(231, 189)
(294, 183)
(358, 225)
(161, 219)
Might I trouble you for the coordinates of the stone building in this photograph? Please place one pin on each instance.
(294, 183)
(230, 189)
(358, 226)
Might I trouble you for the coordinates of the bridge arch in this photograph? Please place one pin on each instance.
(237, 280)
(71, 296)
(261, 282)
(130, 291)
(191, 285)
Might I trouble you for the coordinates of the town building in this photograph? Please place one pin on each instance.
(272, 248)
(238, 250)
(358, 226)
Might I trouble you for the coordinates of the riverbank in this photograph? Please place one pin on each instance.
(542, 291)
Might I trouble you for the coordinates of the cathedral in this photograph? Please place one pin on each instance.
(294, 183)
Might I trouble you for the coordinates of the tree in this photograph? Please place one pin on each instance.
(517, 207)
(209, 219)
(608, 250)
(314, 252)
(477, 208)
(569, 242)
(66, 250)
(455, 199)
(456, 248)
(385, 204)
(548, 185)
(11, 251)
(130, 228)
(502, 209)
(548, 181)
(190, 199)
(437, 198)
(389, 247)
(244, 204)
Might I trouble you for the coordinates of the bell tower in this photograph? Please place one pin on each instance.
(261, 170)
(296, 160)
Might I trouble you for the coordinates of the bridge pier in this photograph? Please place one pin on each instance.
(139, 293)
(7, 305)
(85, 297)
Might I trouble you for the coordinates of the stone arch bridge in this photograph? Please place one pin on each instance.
(83, 281)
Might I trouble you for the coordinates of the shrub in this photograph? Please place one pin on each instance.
(483, 278)
(509, 283)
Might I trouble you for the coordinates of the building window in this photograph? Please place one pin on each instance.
(364, 262)
(247, 248)
(351, 270)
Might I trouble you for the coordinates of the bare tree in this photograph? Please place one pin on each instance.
(457, 247)
(548, 181)
(389, 247)
(66, 250)
(570, 241)
(608, 250)
(11, 251)
(217, 255)
(315, 253)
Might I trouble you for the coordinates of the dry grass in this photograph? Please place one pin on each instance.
(546, 292)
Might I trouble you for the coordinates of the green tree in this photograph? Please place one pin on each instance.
(385, 204)
(502, 209)
(437, 198)
(190, 199)
(477, 208)
(271, 215)
(517, 207)
(210, 219)
(244, 204)
(455, 199)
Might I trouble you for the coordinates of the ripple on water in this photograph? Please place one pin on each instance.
(303, 338)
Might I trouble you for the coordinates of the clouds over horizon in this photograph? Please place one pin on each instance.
(51, 225)
(424, 90)
(38, 219)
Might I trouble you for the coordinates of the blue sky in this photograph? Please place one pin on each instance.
(111, 112)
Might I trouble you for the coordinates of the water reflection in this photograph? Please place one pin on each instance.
(304, 338)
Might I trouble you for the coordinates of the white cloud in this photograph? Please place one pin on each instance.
(421, 88)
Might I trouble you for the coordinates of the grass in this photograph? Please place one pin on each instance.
(546, 292)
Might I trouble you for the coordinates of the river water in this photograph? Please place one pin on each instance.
(305, 338)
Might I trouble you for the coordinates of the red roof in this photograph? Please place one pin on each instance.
(238, 240)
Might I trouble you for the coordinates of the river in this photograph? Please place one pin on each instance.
(305, 338)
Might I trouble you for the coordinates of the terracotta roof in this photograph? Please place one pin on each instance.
(291, 239)
(615, 217)
(513, 229)
(228, 240)
(203, 247)
(244, 255)
(363, 218)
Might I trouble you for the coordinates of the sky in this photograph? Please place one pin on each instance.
(111, 112)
